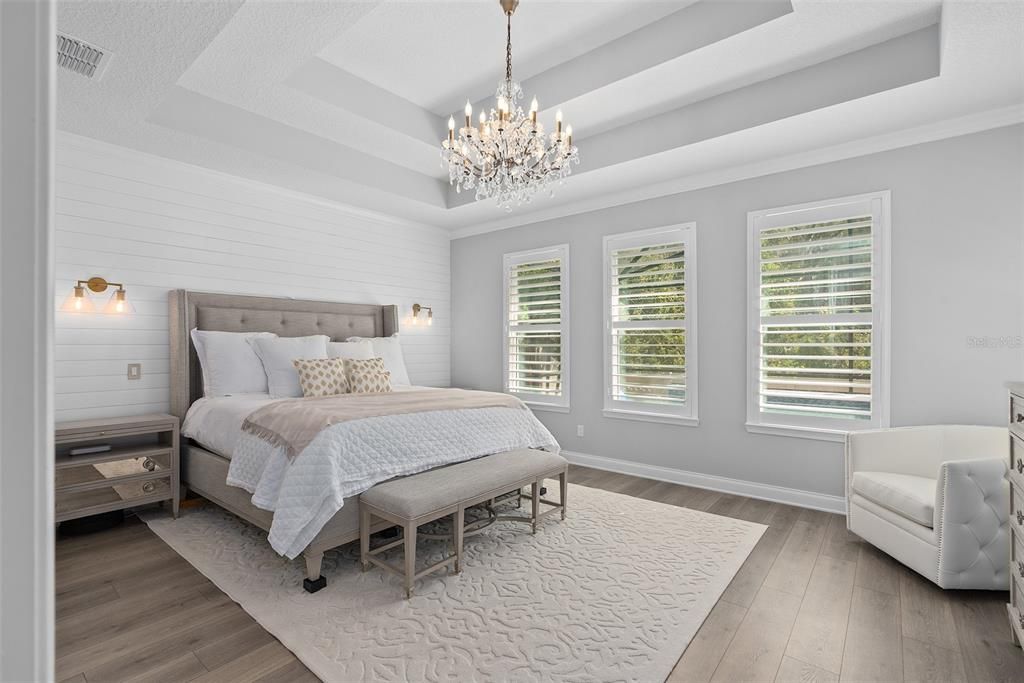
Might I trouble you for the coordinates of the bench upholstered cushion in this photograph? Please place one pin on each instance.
(419, 494)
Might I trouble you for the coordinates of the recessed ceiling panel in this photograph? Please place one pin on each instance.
(434, 53)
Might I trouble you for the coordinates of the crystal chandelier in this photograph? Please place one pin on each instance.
(507, 156)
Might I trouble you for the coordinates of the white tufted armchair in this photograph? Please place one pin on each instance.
(935, 498)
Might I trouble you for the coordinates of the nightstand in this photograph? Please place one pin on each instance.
(140, 466)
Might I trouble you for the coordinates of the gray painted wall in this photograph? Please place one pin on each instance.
(957, 250)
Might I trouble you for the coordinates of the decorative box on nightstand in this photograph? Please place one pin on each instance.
(140, 466)
(1016, 606)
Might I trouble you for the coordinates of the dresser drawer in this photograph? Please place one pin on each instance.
(1017, 463)
(1017, 511)
(103, 495)
(1017, 562)
(1016, 410)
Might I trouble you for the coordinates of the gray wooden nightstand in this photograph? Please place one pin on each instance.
(141, 466)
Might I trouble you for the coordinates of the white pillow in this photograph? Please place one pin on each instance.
(354, 350)
(390, 350)
(277, 356)
(228, 362)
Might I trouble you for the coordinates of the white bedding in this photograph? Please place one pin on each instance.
(216, 423)
(347, 458)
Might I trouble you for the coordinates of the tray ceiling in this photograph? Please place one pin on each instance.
(349, 100)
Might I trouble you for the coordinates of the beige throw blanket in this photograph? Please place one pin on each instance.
(292, 424)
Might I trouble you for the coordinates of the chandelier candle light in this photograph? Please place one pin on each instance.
(507, 156)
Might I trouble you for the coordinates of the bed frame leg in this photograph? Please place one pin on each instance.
(313, 581)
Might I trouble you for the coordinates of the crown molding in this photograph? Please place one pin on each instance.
(950, 128)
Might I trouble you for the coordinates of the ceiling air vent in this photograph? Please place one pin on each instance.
(81, 57)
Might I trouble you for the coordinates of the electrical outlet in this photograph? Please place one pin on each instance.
(135, 371)
(579, 431)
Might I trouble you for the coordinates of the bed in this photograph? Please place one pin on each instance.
(210, 464)
(204, 471)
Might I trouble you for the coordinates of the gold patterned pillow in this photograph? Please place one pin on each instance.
(367, 376)
(322, 376)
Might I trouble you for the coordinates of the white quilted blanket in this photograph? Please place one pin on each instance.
(348, 458)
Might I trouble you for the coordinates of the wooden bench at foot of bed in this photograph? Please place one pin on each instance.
(421, 498)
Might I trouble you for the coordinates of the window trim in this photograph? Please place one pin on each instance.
(646, 412)
(878, 204)
(561, 403)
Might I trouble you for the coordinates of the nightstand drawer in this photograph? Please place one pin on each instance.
(103, 495)
(74, 470)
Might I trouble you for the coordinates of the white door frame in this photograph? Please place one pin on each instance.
(27, 94)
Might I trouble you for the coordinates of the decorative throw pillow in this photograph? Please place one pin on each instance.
(321, 376)
(367, 376)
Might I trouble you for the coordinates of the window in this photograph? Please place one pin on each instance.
(537, 327)
(650, 324)
(818, 346)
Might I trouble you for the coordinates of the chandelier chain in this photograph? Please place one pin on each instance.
(508, 49)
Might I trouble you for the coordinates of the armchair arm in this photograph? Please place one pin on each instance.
(971, 512)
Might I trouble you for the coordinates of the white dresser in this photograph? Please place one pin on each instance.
(1016, 605)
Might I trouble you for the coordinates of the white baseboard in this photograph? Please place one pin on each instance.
(750, 489)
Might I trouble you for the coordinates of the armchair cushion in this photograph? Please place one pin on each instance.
(907, 495)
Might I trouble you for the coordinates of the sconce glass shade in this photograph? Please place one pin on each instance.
(119, 304)
(78, 301)
(416, 309)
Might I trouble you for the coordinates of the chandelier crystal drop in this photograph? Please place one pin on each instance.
(507, 156)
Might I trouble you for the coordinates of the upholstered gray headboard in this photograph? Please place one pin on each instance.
(236, 313)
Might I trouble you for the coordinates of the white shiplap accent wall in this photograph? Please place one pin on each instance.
(157, 225)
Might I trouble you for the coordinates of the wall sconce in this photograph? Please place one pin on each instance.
(416, 308)
(79, 301)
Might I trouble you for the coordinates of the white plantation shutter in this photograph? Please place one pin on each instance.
(818, 307)
(536, 326)
(650, 349)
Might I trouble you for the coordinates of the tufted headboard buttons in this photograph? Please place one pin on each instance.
(238, 313)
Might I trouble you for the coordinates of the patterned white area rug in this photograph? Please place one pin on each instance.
(614, 592)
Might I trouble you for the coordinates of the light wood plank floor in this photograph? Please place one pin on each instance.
(811, 603)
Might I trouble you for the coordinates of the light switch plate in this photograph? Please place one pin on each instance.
(135, 371)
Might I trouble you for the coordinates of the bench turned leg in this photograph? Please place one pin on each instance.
(410, 558)
(314, 581)
(563, 485)
(458, 529)
(364, 537)
(534, 505)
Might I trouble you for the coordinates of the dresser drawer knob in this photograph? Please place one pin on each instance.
(149, 464)
(1020, 568)
(149, 487)
(1020, 466)
(1020, 517)
(1019, 418)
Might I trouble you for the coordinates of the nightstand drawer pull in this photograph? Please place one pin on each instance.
(1020, 465)
(1020, 568)
(150, 465)
(1020, 517)
(149, 487)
